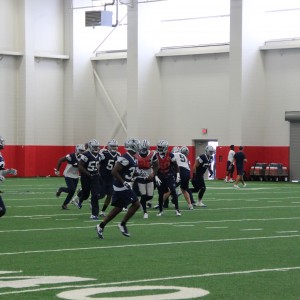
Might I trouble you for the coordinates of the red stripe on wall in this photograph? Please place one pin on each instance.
(33, 161)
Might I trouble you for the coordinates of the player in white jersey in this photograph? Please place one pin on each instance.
(230, 165)
(185, 172)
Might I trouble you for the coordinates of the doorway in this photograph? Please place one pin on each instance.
(200, 149)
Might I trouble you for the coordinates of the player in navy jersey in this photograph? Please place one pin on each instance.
(110, 157)
(165, 179)
(203, 163)
(148, 162)
(88, 166)
(123, 195)
(3, 173)
(240, 159)
(71, 174)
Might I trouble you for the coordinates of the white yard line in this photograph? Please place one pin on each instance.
(251, 229)
(152, 244)
(215, 227)
(149, 224)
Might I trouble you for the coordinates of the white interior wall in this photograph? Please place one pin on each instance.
(61, 103)
(282, 93)
(195, 96)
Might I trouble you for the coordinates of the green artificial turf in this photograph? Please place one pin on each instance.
(244, 245)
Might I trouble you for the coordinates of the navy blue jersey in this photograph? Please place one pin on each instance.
(71, 169)
(72, 159)
(2, 163)
(91, 161)
(205, 163)
(239, 159)
(108, 163)
(129, 164)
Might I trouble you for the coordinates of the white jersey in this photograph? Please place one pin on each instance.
(182, 161)
(231, 156)
(71, 169)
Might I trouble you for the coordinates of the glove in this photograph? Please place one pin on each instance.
(2, 178)
(13, 171)
(127, 185)
(158, 181)
(178, 178)
(56, 172)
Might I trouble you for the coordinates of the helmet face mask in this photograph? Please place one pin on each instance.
(132, 145)
(162, 147)
(112, 146)
(145, 146)
(94, 146)
(184, 150)
(209, 150)
(79, 148)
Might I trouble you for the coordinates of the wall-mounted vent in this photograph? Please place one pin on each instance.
(98, 18)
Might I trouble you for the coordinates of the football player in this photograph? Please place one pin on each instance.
(3, 173)
(88, 167)
(123, 195)
(165, 179)
(111, 155)
(71, 174)
(203, 163)
(185, 174)
(148, 162)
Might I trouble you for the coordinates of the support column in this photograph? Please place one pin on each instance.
(143, 76)
(247, 93)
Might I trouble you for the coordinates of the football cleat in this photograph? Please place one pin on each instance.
(201, 204)
(58, 192)
(99, 232)
(123, 230)
(178, 213)
(102, 214)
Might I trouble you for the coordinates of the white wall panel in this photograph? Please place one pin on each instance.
(195, 96)
(49, 26)
(282, 69)
(8, 97)
(9, 29)
(48, 102)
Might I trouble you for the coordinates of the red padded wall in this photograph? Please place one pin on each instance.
(253, 154)
(32, 161)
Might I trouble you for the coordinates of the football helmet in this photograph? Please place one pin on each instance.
(162, 147)
(209, 150)
(112, 146)
(2, 142)
(133, 145)
(145, 146)
(79, 148)
(94, 146)
(175, 149)
(184, 150)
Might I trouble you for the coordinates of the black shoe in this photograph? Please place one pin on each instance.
(149, 205)
(99, 232)
(58, 192)
(64, 207)
(124, 230)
